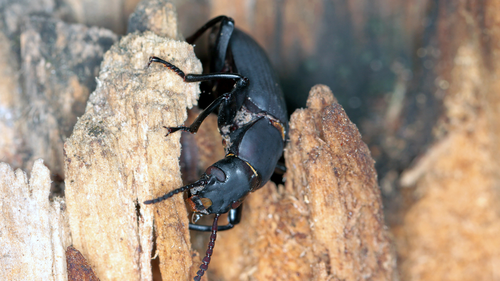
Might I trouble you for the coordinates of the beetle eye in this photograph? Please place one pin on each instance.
(217, 172)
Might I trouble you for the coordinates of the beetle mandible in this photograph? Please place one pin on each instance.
(252, 120)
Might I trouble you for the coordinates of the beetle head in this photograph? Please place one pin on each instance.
(227, 182)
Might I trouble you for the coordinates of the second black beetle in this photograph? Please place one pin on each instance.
(252, 120)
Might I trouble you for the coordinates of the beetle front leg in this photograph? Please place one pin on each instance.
(233, 218)
(193, 128)
(219, 52)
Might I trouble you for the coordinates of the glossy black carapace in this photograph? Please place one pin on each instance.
(252, 120)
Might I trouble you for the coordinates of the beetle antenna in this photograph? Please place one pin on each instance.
(175, 191)
(210, 250)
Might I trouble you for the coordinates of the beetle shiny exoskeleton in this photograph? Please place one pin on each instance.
(252, 120)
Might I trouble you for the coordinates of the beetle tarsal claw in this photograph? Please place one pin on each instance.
(195, 217)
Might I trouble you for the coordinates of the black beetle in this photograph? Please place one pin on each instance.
(252, 120)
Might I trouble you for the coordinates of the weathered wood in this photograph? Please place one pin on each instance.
(10, 103)
(118, 157)
(157, 16)
(59, 65)
(34, 231)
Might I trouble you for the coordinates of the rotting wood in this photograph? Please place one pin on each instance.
(42, 95)
(59, 65)
(118, 157)
(157, 16)
(34, 232)
(10, 100)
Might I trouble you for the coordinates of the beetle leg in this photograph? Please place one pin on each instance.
(225, 21)
(193, 128)
(233, 218)
(280, 168)
(219, 52)
(198, 77)
(213, 76)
